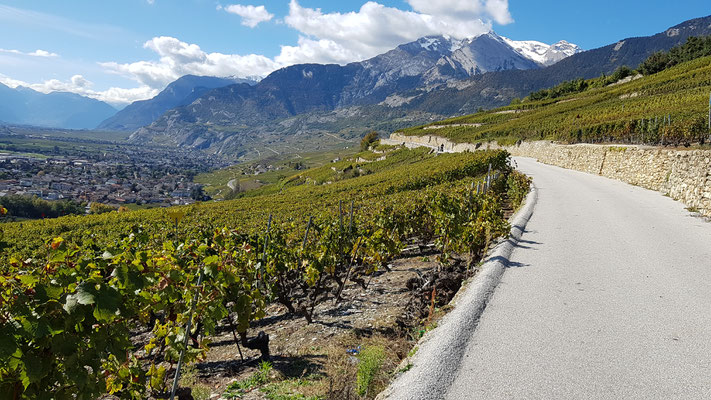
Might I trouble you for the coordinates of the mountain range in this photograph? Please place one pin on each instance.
(431, 78)
(25, 106)
(181, 92)
(306, 89)
(307, 105)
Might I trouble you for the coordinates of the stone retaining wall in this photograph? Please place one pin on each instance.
(684, 175)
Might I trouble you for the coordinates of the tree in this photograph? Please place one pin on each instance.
(99, 208)
(197, 194)
(368, 140)
(655, 63)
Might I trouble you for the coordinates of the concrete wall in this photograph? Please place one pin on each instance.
(684, 175)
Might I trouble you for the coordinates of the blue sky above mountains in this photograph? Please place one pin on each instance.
(120, 51)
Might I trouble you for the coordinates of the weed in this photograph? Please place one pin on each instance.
(259, 378)
(405, 368)
(284, 390)
(413, 351)
(189, 378)
(371, 362)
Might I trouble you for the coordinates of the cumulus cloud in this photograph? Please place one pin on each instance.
(324, 37)
(36, 53)
(376, 28)
(498, 10)
(178, 58)
(251, 15)
(80, 85)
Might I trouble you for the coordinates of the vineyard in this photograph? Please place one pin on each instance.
(77, 292)
(666, 108)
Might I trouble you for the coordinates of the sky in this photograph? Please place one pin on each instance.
(120, 51)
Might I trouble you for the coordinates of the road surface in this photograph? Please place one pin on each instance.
(607, 296)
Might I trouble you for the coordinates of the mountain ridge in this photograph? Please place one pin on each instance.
(413, 83)
(182, 91)
(25, 106)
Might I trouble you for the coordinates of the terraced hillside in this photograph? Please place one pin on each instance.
(668, 108)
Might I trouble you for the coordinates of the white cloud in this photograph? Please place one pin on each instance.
(36, 53)
(80, 85)
(178, 58)
(323, 38)
(376, 28)
(498, 10)
(251, 15)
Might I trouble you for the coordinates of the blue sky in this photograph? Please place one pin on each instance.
(124, 50)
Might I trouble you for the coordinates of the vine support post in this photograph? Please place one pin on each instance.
(234, 334)
(266, 240)
(187, 338)
(340, 226)
(350, 223)
(709, 118)
(306, 235)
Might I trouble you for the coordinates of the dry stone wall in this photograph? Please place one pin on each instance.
(684, 175)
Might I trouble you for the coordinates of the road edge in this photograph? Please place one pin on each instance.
(434, 365)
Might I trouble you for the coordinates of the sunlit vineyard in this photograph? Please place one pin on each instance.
(74, 290)
(668, 108)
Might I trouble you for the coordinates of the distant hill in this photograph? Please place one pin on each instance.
(183, 91)
(57, 109)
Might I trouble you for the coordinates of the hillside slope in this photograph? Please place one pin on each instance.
(669, 108)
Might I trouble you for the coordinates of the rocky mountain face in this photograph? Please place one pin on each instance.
(431, 78)
(25, 106)
(183, 91)
(497, 89)
(313, 88)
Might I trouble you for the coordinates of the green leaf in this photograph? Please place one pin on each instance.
(7, 341)
(37, 367)
(29, 280)
(108, 301)
(120, 272)
(211, 260)
(85, 294)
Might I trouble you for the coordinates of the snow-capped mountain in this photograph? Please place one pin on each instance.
(541, 53)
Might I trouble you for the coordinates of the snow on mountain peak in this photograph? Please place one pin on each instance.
(440, 43)
(543, 53)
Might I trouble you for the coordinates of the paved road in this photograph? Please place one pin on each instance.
(608, 297)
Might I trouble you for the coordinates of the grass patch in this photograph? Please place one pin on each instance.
(189, 378)
(238, 389)
(370, 366)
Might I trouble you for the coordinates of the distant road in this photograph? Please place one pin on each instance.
(608, 297)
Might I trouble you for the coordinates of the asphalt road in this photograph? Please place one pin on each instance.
(607, 296)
